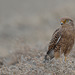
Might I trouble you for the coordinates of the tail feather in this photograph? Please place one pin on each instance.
(49, 55)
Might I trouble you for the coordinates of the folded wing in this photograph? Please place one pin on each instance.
(53, 43)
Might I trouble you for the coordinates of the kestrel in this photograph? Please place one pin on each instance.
(62, 40)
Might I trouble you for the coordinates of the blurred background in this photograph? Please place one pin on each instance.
(31, 22)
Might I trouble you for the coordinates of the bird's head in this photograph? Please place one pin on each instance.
(67, 21)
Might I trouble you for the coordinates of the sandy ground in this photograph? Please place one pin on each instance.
(26, 27)
(30, 61)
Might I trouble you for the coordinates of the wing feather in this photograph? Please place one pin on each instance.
(55, 39)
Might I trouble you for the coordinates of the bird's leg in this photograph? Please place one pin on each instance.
(65, 59)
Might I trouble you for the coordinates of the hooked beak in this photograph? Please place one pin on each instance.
(61, 23)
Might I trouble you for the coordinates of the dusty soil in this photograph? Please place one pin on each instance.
(30, 61)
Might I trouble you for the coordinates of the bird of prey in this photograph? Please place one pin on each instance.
(62, 40)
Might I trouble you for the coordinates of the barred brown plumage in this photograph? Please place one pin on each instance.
(62, 40)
